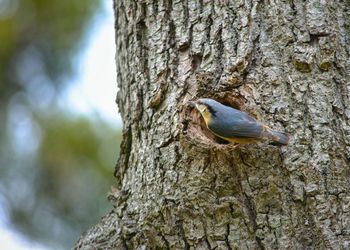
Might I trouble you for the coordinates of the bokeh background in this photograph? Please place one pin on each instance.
(59, 126)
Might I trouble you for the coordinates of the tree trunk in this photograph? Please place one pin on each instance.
(285, 63)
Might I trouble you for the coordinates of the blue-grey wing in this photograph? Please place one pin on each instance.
(237, 125)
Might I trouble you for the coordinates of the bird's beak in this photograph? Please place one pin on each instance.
(192, 104)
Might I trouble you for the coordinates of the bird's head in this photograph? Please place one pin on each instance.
(207, 107)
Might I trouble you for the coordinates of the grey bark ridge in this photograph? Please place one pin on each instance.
(284, 62)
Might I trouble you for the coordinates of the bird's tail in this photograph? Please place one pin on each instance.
(278, 138)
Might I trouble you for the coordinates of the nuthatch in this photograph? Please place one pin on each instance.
(236, 126)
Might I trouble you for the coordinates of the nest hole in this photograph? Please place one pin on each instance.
(197, 130)
(234, 102)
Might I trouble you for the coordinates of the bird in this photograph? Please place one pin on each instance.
(234, 125)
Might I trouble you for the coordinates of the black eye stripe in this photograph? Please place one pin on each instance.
(211, 110)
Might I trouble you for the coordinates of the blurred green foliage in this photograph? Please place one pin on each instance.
(38, 39)
(69, 178)
(55, 168)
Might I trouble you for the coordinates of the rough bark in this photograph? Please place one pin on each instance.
(285, 62)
